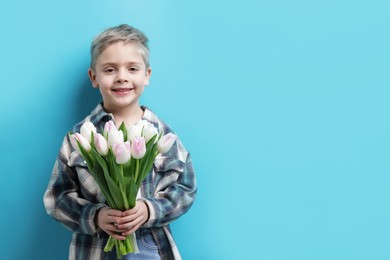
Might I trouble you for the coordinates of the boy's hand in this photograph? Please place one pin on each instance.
(120, 224)
(107, 220)
(133, 218)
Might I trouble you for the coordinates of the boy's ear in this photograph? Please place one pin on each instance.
(92, 77)
(148, 74)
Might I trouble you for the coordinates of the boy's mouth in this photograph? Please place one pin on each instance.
(122, 90)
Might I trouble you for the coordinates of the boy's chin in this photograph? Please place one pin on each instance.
(117, 106)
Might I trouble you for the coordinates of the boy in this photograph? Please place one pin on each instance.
(120, 70)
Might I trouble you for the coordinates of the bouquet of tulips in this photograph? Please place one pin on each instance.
(119, 160)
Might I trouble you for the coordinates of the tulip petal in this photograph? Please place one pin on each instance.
(166, 142)
(82, 141)
(138, 147)
(87, 129)
(101, 144)
(122, 152)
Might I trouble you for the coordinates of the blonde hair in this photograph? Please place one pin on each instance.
(121, 33)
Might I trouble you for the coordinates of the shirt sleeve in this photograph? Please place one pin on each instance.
(175, 190)
(63, 200)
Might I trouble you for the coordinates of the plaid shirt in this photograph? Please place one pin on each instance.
(73, 197)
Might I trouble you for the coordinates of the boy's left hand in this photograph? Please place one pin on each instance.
(133, 218)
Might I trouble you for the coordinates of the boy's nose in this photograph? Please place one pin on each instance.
(121, 76)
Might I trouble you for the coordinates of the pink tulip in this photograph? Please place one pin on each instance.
(101, 144)
(108, 127)
(86, 130)
(138, 147)
(83, 142)
(122, 152)
(166, 142)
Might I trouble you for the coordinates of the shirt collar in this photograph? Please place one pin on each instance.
(98, 114)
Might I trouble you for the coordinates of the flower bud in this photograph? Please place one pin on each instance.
(101, 144)
(142, 123)
(166, 142)
(138, 147)
(149, 131)
(134, 131)
(86, 130)
(122, 152)
(115, 137)
(82, 141)
(108, 127)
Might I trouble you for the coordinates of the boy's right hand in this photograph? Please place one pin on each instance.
(107, 219)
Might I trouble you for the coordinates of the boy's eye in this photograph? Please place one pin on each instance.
(133, 69)
(108, 70)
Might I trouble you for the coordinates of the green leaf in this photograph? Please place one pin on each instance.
(113, 166)
(93, 141)
(100, 160)
(131, 170)
(86, 155)
(98, 174)
(112, 186)
(132, 193)
(127, 168)
(150, 142)
(115, 193)
(124, 130)
(147, 164)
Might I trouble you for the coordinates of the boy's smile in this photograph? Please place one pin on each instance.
(121, 75)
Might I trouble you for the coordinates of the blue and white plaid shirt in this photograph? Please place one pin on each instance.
(73, 197)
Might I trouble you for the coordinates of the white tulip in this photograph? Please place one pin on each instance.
(101, 145)
(166, 142)
(150, 131)
(143, 122)
(82, 141)
(86, 130)
(115, 137)
(134, 131)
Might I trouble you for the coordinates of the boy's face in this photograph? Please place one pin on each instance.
(121, 75)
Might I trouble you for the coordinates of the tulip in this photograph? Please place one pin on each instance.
(134, 131)
(138, 147)
(166, 142)
(115, 137)
(81, 140)
(149, 132)
(108, 127)
(122, 152)
(101, 145)
(86, 130)
(142, 123)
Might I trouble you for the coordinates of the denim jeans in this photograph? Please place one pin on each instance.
(146, 245)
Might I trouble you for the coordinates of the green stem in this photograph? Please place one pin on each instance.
(110, 244)
(122, 187)
(136, 170)
(122, 247)
(118, 250)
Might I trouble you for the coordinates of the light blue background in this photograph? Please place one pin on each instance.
(283, 104)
